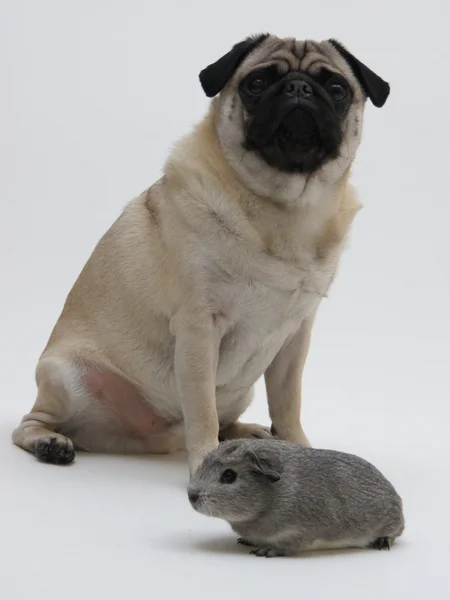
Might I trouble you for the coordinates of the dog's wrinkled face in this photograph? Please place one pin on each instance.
(294, 120)
(295, 105)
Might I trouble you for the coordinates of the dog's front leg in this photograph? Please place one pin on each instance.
(284, 385)
(196, 356)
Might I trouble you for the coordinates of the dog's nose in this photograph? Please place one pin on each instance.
(298, 88)
(193, 497)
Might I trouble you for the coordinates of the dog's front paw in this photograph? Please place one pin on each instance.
(297, 435)
(244, 430)
(194, 464)
(197, 457)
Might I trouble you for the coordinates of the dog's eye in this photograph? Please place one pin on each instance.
(228, 476)
(257, 86)
(337, 91)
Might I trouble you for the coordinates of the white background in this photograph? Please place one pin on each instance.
(93, 93)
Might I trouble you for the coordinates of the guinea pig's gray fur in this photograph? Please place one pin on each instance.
(282, 498)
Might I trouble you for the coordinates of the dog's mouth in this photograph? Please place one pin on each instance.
(297, 138)
(295, 130)
(298, 133)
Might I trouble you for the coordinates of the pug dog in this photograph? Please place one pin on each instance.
(212, 277)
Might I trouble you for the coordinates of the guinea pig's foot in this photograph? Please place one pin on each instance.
(381, 543)
(244, 542)
(267, 552)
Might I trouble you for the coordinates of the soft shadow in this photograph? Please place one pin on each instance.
(216, 545)
(219, 545)
(168, 469)
(178, 457)
(228, 545)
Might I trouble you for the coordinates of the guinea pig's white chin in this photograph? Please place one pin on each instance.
(208, 508)
(205, 508)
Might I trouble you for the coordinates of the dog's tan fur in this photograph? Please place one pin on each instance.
(207, 281)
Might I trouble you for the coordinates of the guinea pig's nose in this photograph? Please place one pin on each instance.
(298, 88)
(193, 497)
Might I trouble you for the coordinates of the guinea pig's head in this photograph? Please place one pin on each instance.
(237, 481)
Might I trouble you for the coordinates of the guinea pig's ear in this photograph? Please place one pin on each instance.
(214, 77)
(376, 88)
(265, 467)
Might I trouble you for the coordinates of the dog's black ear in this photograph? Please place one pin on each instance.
(267, 467)
(376, 88)
(214, 77)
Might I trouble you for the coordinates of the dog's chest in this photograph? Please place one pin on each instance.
(258, 318)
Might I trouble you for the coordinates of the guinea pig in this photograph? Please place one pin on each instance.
(283, 498)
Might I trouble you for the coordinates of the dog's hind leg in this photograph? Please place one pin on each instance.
(38, 431)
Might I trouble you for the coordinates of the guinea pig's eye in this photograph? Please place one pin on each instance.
(257, 85)
(228, 476)
(337, 91)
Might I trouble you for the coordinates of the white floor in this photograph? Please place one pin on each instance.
(93, 94)
(115, 527)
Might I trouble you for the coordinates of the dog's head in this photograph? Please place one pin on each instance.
(294, 105)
